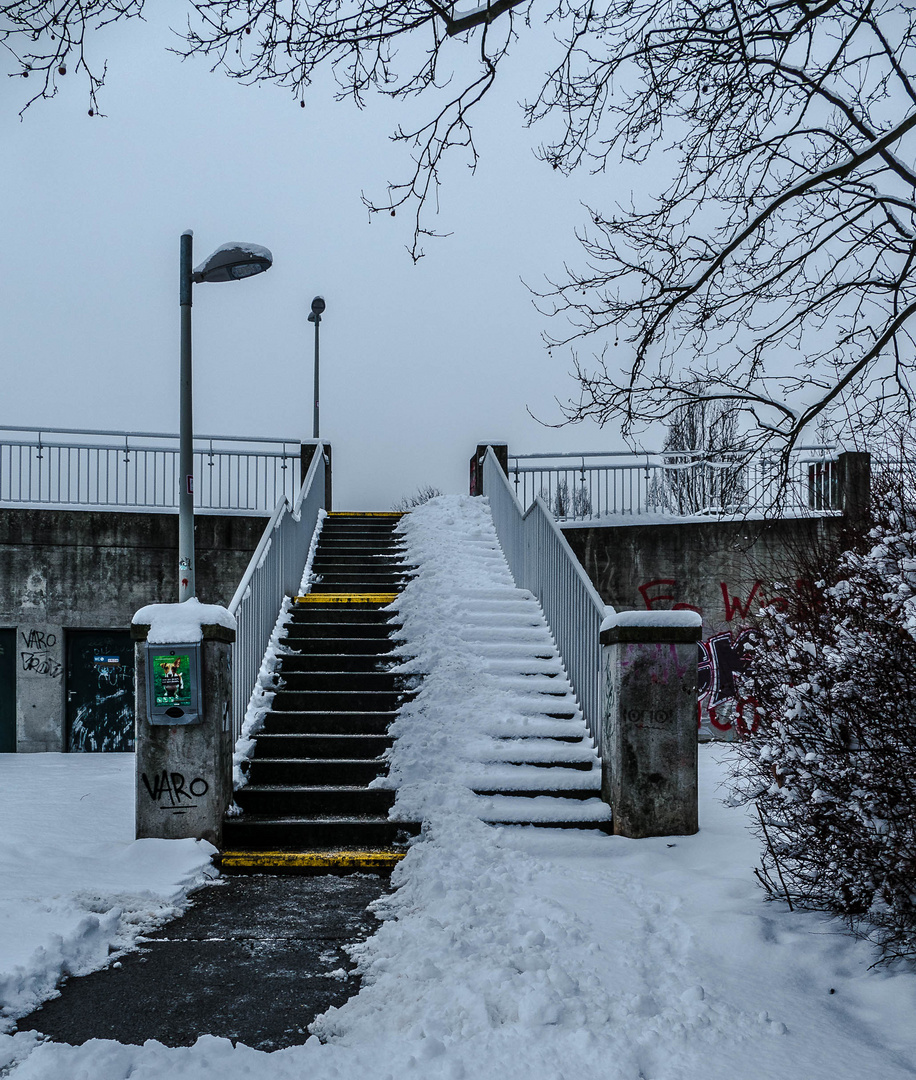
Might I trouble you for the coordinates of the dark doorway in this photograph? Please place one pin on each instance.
(7, 691)
(100, 691)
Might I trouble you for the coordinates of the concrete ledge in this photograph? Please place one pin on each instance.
(651, 628)
(651, 635)
(209, 632)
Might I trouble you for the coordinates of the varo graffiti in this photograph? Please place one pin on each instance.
(36, 656)
(173, 787)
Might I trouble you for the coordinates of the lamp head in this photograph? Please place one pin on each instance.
(232, 262)
(318, 306)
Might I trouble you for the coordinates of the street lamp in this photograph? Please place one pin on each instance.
(231, 262)
(318, 306)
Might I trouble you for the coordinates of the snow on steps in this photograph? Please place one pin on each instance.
(494, 729)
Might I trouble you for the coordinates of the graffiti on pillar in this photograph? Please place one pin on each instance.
(725, 654)
(169, 788)
(722, 657)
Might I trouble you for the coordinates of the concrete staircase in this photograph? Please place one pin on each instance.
(308, 804)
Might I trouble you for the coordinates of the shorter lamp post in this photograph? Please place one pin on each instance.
(318, 306)
(231, 262)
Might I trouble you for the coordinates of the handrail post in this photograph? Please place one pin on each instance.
(854, 484)
(501, 450)
(308, 447)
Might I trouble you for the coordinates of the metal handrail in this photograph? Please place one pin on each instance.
(274, 572)
(142, 434)
(653, 453)
(677, 483)
(116, 469)
(541, 560)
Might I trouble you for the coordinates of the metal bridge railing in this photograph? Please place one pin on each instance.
(542, 561)
(74, 467)
(675, 483)
(274, 572)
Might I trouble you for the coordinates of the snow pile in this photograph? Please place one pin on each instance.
(74, 884)
(265, 688)
(262, 696)
(170, 623)
(492, 677)
(524, 954)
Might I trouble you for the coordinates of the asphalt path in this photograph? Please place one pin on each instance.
(255, 959)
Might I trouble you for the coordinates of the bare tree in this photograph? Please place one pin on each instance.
(422, 495)
(42, 40)
(703, 468)
(769, 255)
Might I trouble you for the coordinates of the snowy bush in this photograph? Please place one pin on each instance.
(831, 762)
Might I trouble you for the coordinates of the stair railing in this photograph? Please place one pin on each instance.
(274, 572)
(542, 561)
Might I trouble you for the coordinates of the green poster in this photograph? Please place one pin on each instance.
(172, 680)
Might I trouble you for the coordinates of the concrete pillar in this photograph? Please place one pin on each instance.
(854, 469)
(306, 453)
(184, 773)
(649, 763)
(501, 450)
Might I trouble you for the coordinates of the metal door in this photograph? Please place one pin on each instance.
(7, 691)
(100, 691)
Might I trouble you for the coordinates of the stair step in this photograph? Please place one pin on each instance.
(341, 662)
(362, 535)
(279, 800)
(337, 582)
(322, 772)
(339, 700)
(360, 640)
(307, 744)
(342, 860)
(381, 560)
(532, 793)
(368, 549)
(329, 831)
(544, 810)
(351, 682)
(319, 610)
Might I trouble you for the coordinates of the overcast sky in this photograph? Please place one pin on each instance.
(419, 362)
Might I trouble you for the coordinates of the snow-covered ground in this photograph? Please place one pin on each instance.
(75, 886)
(527, 954)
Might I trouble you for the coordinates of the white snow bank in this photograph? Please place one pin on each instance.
(181, 622)
(74, 884)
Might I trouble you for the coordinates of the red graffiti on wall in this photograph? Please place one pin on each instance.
(723, 655)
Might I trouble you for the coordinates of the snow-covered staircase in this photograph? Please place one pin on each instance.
(495, 730)
(363, 727)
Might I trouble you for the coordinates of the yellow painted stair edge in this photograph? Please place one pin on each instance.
(348, 598)
(310, 860)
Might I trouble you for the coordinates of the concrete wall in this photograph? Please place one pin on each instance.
(724, 570)
(63, 570)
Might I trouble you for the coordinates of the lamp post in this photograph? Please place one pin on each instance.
(231, 262)
(318, 306)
